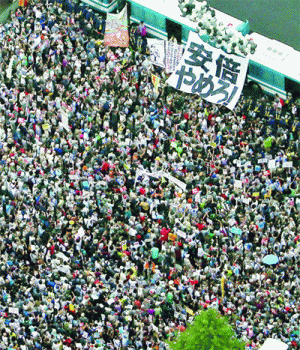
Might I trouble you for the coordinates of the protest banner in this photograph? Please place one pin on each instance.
(223, 286)
(173, 56)
(165, 54)
(159, 174)
(177, 182)
(116, 30)
(210, 72)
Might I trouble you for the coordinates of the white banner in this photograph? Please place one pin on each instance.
(116, 29)
(159, 174)
(157, 52)
(177, 182)
(210, 72)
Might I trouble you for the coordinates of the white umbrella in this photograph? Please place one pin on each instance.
(274, 344)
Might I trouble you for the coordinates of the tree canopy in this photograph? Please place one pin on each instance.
(208, 331)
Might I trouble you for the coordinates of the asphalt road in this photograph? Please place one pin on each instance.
(275, 19)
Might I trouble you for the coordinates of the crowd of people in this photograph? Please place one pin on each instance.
(123, 209)
(228, 38)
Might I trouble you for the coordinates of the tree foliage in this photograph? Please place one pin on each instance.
(208, 331)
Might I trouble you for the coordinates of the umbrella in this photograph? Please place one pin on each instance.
(236, 230)
(270, 259)
(274, 344)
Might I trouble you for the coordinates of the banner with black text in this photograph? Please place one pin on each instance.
(210, 72)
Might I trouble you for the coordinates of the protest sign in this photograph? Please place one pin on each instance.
(272, 164)
(173, 55)
(227, 151)
(116, 30)
(197, 198)
(165, 54)
(287, 164)
(238, 184)
(232, 222)
(65, 121)
(189, 311)
(181, 233)
(13, 310)
(195, 190)
(210, 72)
(21, 120)
(157, 51)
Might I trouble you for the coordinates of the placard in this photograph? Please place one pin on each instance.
(181, 233)
(227, 151)
(157, 51)
(173, 55)
(13, 310)
(287, 164)
(272, 164)
(238, 184)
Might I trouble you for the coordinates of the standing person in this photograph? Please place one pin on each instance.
(141, 42)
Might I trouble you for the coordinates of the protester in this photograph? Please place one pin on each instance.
(100, 246)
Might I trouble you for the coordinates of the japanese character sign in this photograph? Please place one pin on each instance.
(210, 73)
(165, 54)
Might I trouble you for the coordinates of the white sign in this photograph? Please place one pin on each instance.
(210, 73)
(159, 174)
(177, 182)
(238, 184)
(180, 233)
(65, 121)
(227, 151)
(157, 52)
(232, 222)
(173, 56)
(165, 54)
(132, 232)
(246, 200)
(13, 310)
(272, 164)
(287, 164)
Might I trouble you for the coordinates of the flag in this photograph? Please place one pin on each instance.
(116, 31)
(223, 286)
(155, 81)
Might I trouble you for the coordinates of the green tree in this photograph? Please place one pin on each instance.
(208, 331)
